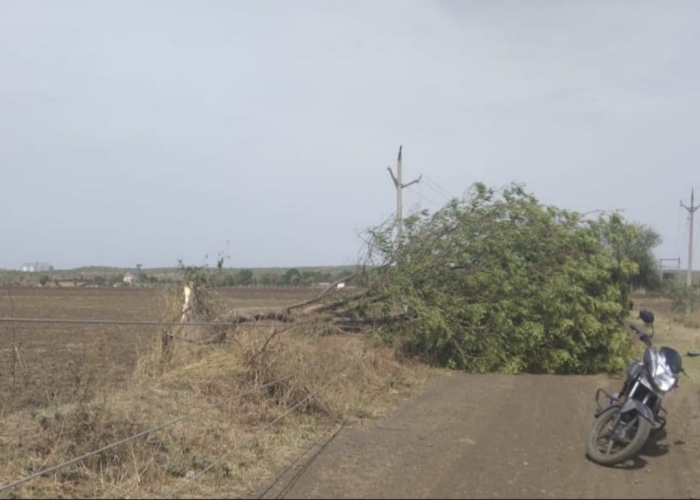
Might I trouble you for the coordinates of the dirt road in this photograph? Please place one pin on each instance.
(495, 436)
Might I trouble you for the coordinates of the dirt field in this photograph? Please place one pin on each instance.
(466, 436)
(58, 361)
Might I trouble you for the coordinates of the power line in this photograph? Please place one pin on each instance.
(684, 238)
(140, 434)
(237, 447)
(306, 465)
(691, 211)
(438, 186)
(678, 231)
(425, 197)
(695, 239)
(132, 322)
(662, 268)
(437, 192)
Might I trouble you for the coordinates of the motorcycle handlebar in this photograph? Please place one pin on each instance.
(642, 336)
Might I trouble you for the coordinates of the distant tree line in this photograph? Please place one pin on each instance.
(291, 277)
(217, 277)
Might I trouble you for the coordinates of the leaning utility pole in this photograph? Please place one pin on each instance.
(689, 278)
(399, 189)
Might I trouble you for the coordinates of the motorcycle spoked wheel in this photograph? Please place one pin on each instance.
(616, 437)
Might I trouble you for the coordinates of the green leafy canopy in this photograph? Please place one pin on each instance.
(498, 281)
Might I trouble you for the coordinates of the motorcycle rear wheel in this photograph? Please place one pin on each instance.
(629, 446)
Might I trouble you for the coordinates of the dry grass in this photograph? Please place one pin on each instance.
(675, 329)
(334, 377)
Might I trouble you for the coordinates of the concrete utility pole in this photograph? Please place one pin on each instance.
(689, 279)
(399, 189)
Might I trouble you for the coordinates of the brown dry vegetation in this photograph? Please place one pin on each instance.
(57, 360)
(334, 377)
(69, 390)
(673, 328)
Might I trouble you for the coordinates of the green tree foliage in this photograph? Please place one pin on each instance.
(99, 280)
(499, 282)
(291, 277)
(310, 277)
(199, 276)
(228, 279)
(637, 242)
(244, 277)
(681, 295)
(345, 273)
(270, 278)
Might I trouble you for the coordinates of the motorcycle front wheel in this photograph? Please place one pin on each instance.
(617, 437)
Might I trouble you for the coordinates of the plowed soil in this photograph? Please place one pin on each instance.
(42, 364)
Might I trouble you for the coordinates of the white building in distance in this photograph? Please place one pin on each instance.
(36, 267)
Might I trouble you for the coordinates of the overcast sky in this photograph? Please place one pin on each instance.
(149, 131)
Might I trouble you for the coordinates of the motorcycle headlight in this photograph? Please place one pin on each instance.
(663, 375)
(663, 379)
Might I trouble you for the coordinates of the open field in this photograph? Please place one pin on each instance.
(53, 361)
(231, 413)
(466, 436)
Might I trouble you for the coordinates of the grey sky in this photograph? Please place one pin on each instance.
(277, 120)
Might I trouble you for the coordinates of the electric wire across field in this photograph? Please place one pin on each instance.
(191, 415)
(437, 192)
(262, 428)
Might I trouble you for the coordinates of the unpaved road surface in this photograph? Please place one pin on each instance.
(497, 436)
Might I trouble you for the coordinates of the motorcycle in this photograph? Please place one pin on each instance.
(622, 427)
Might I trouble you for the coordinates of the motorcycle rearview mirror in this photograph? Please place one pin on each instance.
(692, 354)
(647, 318)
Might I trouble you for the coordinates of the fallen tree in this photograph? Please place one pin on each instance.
(495, 281)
